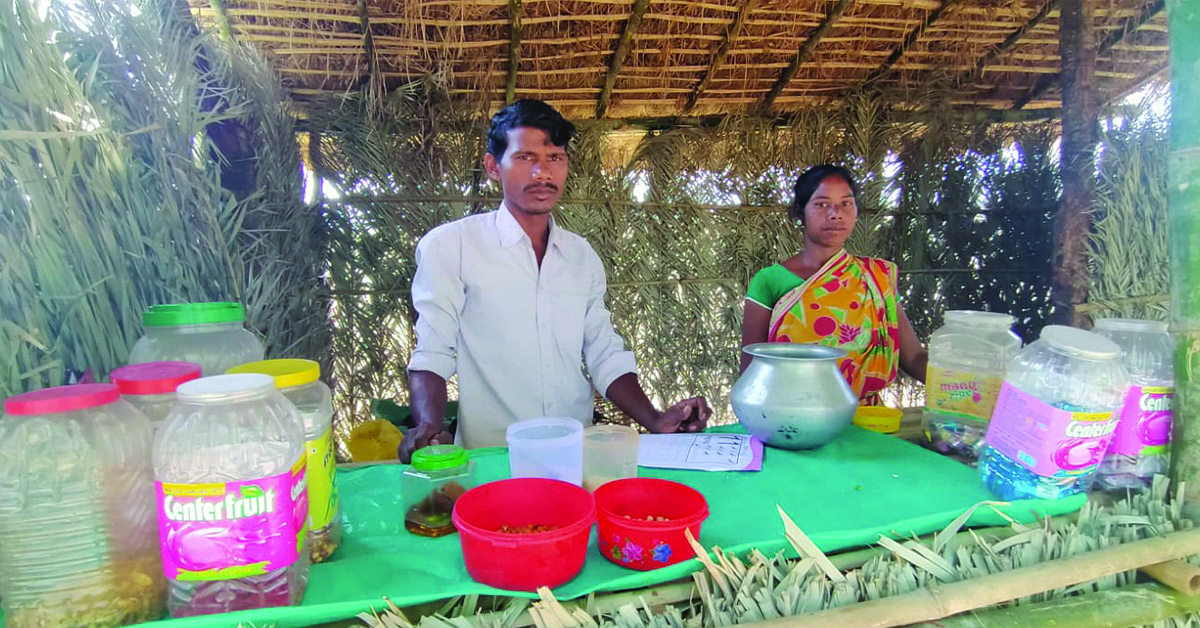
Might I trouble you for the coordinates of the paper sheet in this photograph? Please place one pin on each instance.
(701, 452)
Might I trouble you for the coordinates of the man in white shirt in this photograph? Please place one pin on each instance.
(514, 304)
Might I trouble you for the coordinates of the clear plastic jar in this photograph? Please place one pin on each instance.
(968, 358)
(299, 381)
(1055, 416)
(437, 477)
(209, 334)
(229, 467)
(150, 387)
(1139, 447)
(78, 543)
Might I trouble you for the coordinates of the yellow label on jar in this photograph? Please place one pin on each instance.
(962, 394)
(322, 491)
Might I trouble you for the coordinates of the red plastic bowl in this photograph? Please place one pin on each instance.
(524, 562)
(628, 539)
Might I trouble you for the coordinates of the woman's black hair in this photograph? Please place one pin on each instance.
(530, 113)
(808, 183)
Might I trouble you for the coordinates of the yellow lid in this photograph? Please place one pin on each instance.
(287, 373)
(878, 418)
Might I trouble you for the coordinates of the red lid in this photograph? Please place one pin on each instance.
(153, 378)
(62, 399)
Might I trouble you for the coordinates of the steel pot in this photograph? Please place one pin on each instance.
(792, 396)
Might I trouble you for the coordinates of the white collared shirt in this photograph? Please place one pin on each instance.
(517, 337)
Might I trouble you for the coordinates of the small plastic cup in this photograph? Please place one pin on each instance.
(610, 452)
(550, 448)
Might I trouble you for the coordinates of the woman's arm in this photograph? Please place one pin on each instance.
(755, 319)
(914, 359)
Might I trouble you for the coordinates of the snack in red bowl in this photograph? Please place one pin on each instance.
(642, 522)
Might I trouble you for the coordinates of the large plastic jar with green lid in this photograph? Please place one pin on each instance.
(300, 382)
(212, 335)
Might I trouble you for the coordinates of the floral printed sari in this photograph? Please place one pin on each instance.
(850, 303)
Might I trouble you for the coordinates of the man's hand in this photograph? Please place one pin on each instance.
(689, 415)
(423, 436)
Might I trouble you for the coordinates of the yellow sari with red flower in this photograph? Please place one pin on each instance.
(850, 303)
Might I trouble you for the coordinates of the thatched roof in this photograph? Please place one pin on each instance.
(624, 59)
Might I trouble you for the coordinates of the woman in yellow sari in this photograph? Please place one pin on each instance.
(824, 295)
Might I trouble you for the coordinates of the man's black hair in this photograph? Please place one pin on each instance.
(529, 113)
(808, 183)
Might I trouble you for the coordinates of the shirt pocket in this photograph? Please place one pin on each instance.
(570, 320)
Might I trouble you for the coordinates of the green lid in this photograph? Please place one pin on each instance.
(438, 457)
(176, 314)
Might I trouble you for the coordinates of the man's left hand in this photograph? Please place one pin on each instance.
(689, 415)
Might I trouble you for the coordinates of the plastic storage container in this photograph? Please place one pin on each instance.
(300, 381)
(1139, 447)
(78, 546)
(232, 508)
(546, 448)
(968, 358)
(641, 522)
(524, 562)
(610, 452)
(1055, 416)
(437, 477)
(209, 334)
(150, 387)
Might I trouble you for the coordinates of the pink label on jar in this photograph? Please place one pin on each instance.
(1145, 421)
(227, 531)
(1046, 440)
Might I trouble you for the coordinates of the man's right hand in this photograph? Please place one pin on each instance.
(423, 436)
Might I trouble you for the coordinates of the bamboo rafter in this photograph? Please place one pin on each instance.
(805, 51)
(1106, 45)
(618, 58)
(515, 9)
(718, 58)
(1013, 39)
(909, 40)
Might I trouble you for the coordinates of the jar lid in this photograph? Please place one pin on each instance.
(878, 418)
(153, 378)
(62, 399)
(224, 387)
(1132, 324)
(439, 457)
(974, 317)
(1079, 343)
(177, 314)
(288, 373)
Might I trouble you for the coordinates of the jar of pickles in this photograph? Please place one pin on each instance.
(78, 535)
(300, 382)
(437, 477)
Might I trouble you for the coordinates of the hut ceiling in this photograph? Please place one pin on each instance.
(651, 58)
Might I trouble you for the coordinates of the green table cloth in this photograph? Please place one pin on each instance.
(843, 495)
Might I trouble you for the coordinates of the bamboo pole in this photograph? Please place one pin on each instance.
(937, 602)
(718, 58)
(804, 53)
(1072, 224)
(1135, 605)
(622, 51)
(218, 8)
(1184, 206)
(1180, 575)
